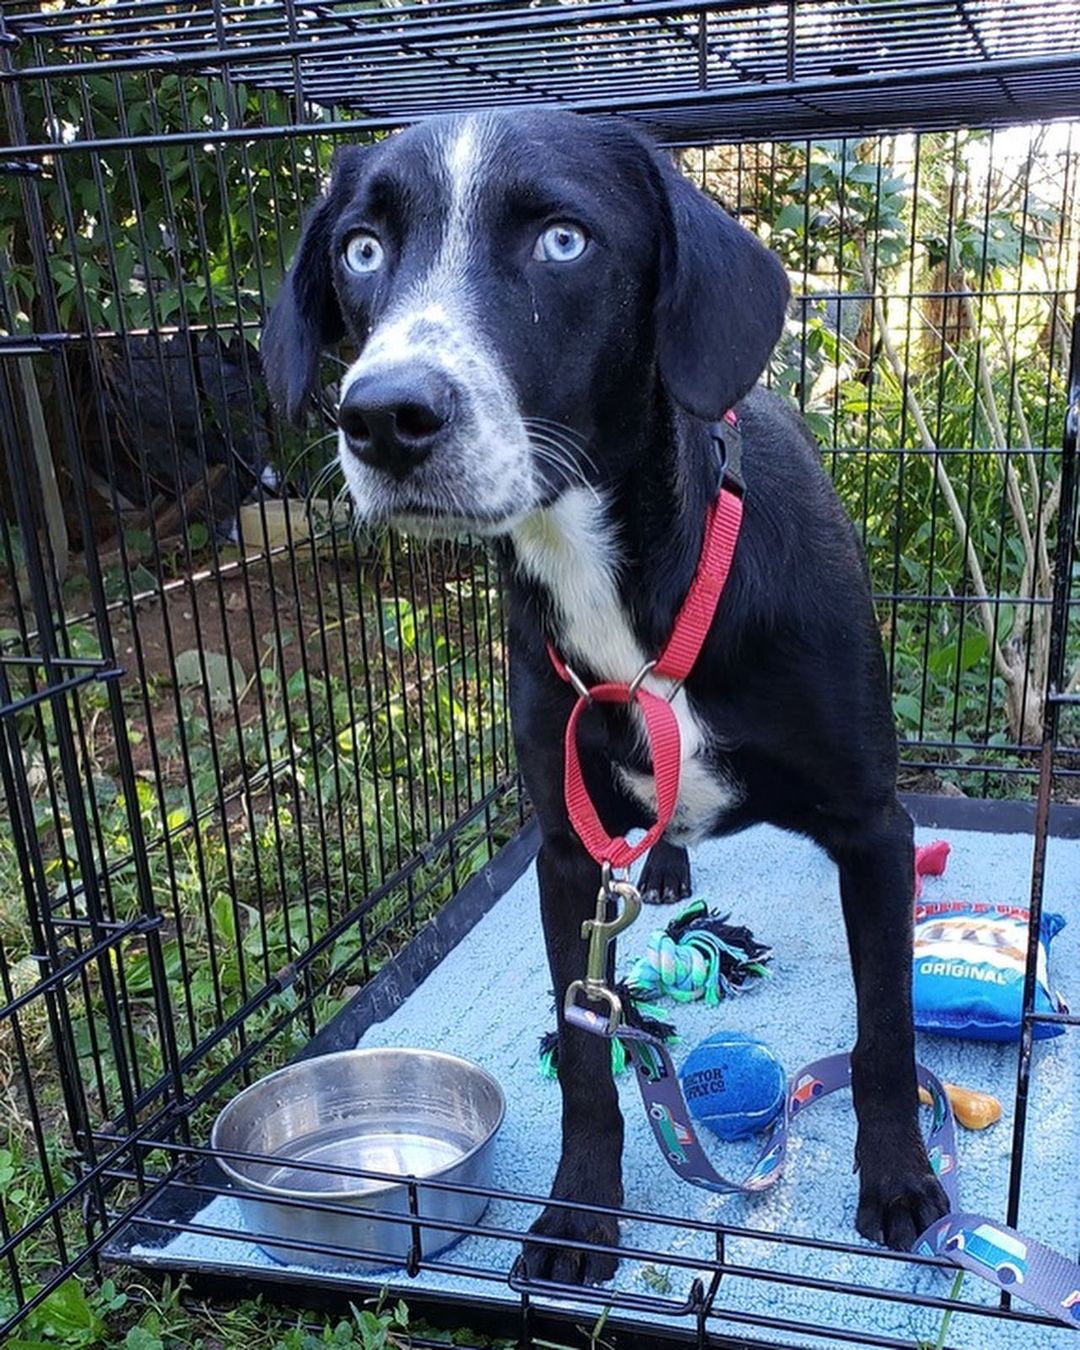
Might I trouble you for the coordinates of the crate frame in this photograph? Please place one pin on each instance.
(1005, 72)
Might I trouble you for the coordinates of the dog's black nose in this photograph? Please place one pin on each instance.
(392, 419)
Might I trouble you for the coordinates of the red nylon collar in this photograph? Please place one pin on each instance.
(675, 662)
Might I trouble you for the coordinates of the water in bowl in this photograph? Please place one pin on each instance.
(402, 1150)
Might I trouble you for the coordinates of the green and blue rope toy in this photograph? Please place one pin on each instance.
(699, 955)
(636, 1013)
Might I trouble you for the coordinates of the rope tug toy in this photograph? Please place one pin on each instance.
(637, 1013)
(698, 955)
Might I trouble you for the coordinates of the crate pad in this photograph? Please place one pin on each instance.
(489, 1001)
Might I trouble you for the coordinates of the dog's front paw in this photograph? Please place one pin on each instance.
(572, 1265)
(898, 1200)
(665, 877)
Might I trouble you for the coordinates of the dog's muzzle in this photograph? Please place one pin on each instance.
(392, 420)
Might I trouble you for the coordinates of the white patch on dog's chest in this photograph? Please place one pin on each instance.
(570, 550)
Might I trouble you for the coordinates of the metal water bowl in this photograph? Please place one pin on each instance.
(413, 1113)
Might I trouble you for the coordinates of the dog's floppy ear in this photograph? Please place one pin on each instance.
(306, 315)
(721, 302)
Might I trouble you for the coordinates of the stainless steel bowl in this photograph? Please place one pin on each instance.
(416, 1113)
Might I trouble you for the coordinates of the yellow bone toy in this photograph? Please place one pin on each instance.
(974, 1110)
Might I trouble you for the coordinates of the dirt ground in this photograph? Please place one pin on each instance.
(269, 617)
(284, 614)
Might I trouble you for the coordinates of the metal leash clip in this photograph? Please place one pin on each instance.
(600, 930)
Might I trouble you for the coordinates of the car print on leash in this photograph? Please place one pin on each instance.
(764, 1172)
(673, 1134)
(805, 1090)
(940, 1161)
(1000, 1252)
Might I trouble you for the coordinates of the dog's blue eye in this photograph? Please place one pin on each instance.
(560, 243)
(363, 252)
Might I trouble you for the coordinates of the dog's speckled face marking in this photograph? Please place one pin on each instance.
(509, 260)
(524, 293)
(483, 473)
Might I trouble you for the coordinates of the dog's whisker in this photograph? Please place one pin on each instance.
(553, 437)
(342, 498)
(298, 458)
(550, 455)
(575, 452)
(558, 458)
(566, 436)
(309, 449)
(552, 443)
(548, 438)
(579, 456)
(323, 479)
(555, 426)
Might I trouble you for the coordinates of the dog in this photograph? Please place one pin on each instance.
(548, 318)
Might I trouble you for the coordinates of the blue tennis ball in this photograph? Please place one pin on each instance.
(733, 1084)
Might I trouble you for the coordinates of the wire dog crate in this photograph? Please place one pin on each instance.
(257, 770)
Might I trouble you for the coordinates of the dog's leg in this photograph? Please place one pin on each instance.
(665, 877)
(898, 1193)
(590, 1168)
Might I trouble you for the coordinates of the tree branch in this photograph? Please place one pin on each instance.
(944, 482)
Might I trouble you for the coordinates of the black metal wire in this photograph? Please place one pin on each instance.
(621, 1300)
(198, 901)
(800, 69)
(1051, 718)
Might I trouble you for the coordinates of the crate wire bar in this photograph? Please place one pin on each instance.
(257, 768)
(801, 1270)
(694, 72)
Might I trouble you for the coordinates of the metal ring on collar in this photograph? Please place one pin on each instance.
(577, 683)
(638, 680)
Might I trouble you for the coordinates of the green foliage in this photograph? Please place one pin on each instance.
(74, 1315)
(79, 1315)
(370, 1329)
(322, 769)
(286, 793)
(943, 1330)
(860, 220)
(143, 239)
(592, 1337)
(839, 198)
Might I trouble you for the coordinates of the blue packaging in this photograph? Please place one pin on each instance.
(969, 970)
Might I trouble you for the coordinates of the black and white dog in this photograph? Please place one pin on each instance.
(548, 316)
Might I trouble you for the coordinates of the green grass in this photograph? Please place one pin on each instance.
(84, 1317)
(287, 768)
(327, 798)
(316, 762)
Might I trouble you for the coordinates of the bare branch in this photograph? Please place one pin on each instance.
(944, 482)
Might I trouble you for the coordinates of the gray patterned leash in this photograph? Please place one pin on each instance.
(991, 1250)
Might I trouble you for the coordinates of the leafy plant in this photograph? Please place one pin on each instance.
(179, 232)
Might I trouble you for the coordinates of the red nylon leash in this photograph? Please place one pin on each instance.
(675, 662)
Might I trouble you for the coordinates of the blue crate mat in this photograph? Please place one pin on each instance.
(488, 1000)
